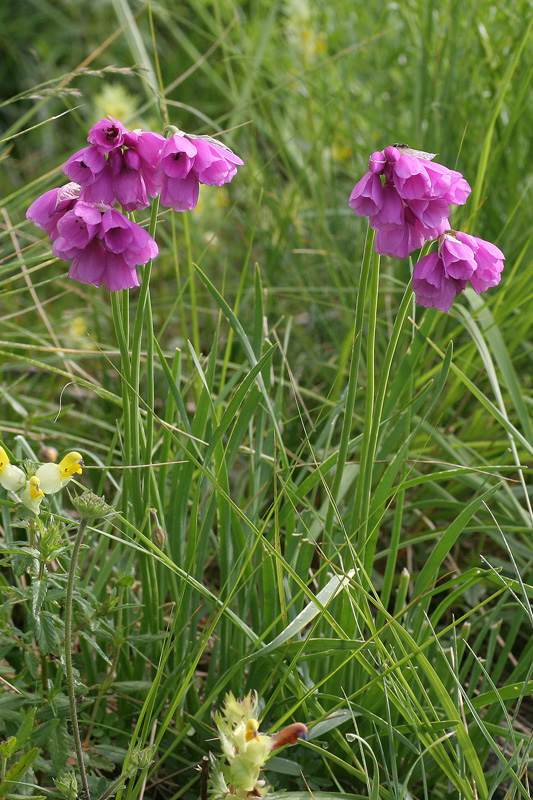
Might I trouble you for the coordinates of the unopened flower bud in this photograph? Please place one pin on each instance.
(90, 506)
(48, 454)
(160, 537)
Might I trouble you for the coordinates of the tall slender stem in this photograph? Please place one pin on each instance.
(68, 655)
(352, 381)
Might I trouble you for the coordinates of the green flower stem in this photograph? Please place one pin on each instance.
(192, 285)
(352, 380)
(370, 537)
(68, 655)
(113, 788)
(362, 495)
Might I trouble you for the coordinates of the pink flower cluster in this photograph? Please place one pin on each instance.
(439, 277)
(128, 168)
(106, 245)
(407, 198)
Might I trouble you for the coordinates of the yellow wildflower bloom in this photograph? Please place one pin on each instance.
(32, 494)
(12, 478)
(54, 477)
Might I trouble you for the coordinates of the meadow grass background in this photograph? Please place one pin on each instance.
(323, 493)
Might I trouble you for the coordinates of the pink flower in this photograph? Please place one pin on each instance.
(85, 166)
(98, 266)
(75, 230)
(106, 245)
(366, 198)
(127, 182)
(214, 163)
(402, 186)
(400, 241)
(107, 134)
(122, 236)
(391, 213)
(432, 287)
(186, 161)
(116, 248)
(439, 277)
(489, 262)
(47, 210)
(148, 146)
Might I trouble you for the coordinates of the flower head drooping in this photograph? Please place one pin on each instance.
(32, 495)
(439, 277)
(186, 162)
(406, 197)
(118, 165)
(49, 208)
(125, 167)
(53, 477)
(106, 245)
(12, 478)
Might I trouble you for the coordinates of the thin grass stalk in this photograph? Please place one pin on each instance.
(368, 468)
(192, 285)
(120, 315)
(68, 656)
(352, 382)
(359, 515)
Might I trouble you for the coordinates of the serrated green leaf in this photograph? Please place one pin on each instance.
(57, 744)
(38, 593)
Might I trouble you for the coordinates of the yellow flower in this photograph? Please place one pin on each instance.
(54, 477)
(11, 478)
(32, 494)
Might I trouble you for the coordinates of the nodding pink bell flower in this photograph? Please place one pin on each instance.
(489, 262)
(186, 161)
(402, 186)
(439, 277)
(128, 186)
(110, 258)
(213, 163)
(107, 134)
(179, 185)
(98, 266)
(431, 213)
(366, 197)
(391, 214)
(177, 157)
(106, 245)
(433, 288)
(122, 236)
(75, 230)
(85, 166)
(47, 210)
(180, 194)
(148, 146)
(457, 258)
(400, 241)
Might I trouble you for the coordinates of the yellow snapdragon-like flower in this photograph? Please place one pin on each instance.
(244, 749)
(54, 477)
(12, 478)
(235, 774)
(32, 494)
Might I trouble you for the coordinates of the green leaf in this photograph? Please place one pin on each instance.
(17, 771)
(8, 747)
(305, 617)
